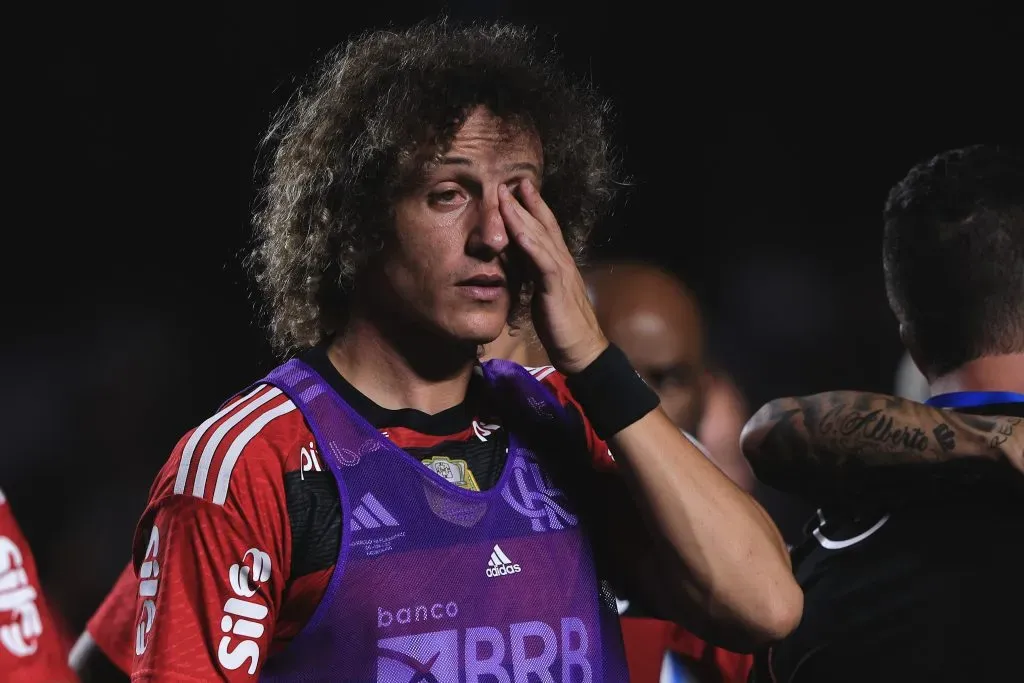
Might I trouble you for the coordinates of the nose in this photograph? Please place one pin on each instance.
(489, 237)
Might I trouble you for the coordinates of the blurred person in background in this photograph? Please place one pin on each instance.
(655, 319)
(403, 228)
(912, 569)
(725, 413)
(32, 648)
(657, 322)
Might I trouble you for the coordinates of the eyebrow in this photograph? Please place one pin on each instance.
(508, 168)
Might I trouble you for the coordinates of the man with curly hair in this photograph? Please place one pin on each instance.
(385, 507)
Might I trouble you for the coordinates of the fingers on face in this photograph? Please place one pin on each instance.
(538, 208)
(526, 230)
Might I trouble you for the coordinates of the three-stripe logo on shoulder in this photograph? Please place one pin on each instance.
(219, 443)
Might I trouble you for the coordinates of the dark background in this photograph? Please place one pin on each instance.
(762, 145)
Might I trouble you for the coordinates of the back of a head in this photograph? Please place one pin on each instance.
(954, 256)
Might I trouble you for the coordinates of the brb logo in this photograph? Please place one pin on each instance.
(18, 597)
(531, 494)
(244, 617)
(528, 651)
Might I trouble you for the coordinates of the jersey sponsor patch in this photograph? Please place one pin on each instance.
(455, 471)
(243, 621)
(525, 651)
(149, 586)
(20, 634)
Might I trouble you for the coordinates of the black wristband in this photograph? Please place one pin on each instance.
(612, 394)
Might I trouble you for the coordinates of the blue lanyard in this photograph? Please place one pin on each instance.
(973, 399)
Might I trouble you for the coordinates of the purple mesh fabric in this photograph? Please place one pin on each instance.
(437, 584)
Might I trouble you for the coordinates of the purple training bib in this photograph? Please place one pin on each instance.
(438, 584)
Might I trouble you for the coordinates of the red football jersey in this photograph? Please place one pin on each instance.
(31, 647)
(112, 626)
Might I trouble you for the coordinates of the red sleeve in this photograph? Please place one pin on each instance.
(213, 549)
(731, 667)
(600, 454)
(31, 648)
(112, 627)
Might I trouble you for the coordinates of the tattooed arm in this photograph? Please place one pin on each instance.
(832, 443)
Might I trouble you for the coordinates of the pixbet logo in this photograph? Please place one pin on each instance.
(244, 617)
(309, 461)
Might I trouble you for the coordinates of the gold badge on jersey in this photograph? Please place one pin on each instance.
(455, 471)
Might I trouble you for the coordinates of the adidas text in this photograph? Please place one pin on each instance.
(503, 570)
(500, 565)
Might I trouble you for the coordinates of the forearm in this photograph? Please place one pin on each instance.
(700, 548)
(736, 565)
(796, 444)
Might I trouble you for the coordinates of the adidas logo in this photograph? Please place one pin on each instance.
(500, 565)
(370, 514)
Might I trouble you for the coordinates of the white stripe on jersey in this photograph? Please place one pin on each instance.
(203, 471)
(197, 435)
(541, 372)
(220, 492)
